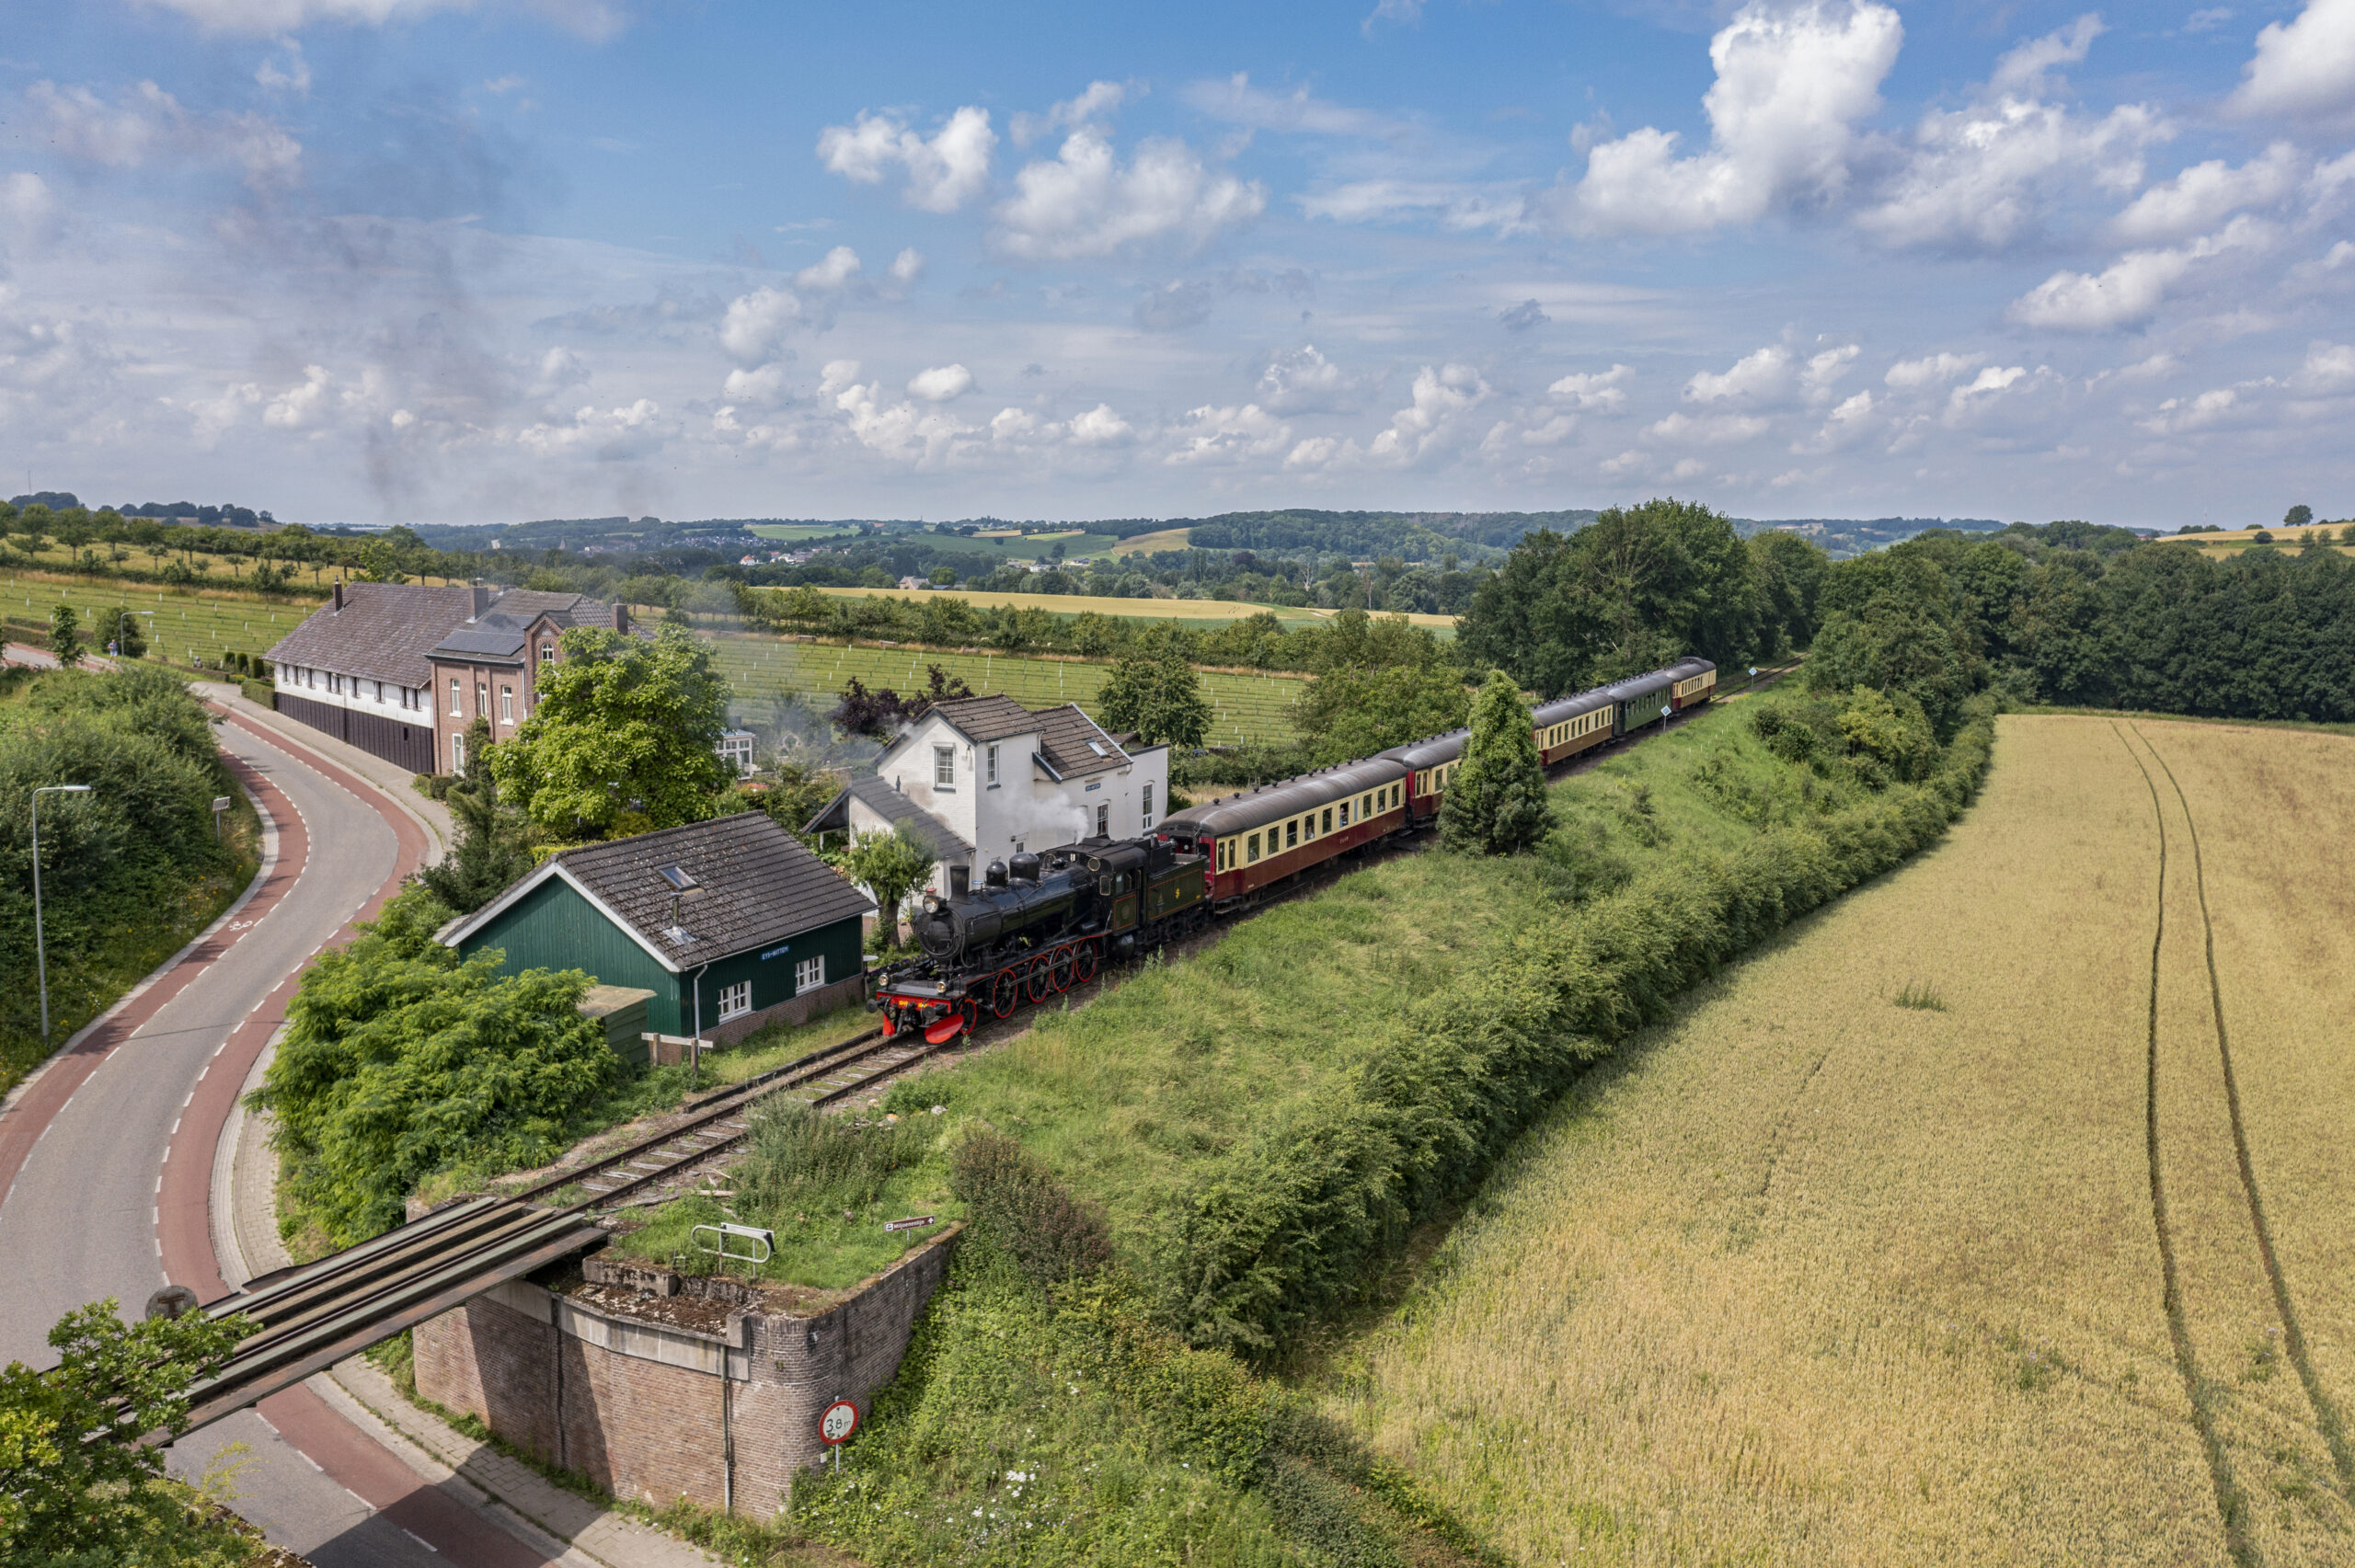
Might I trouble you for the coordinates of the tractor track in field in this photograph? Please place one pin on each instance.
(2231, 1508)
(2327, 1418)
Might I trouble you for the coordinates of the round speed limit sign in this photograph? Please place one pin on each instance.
(837, 1422)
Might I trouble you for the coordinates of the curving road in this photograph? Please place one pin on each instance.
(108, 1160)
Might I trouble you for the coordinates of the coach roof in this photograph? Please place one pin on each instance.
(1273, 802)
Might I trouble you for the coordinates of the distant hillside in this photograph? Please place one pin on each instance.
(1842, 536)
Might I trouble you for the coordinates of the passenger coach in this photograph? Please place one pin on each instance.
(1278, 829)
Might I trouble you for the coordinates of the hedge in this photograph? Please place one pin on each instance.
(1299, 1220)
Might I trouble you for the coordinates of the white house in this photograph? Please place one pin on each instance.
(985, 778)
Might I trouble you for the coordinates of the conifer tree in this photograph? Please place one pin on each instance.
(1496, 803)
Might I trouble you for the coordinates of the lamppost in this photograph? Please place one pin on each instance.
(41, 944)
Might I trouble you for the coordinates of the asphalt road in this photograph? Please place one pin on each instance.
(114, 1189)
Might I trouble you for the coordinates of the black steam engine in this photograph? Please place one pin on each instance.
(1037, 925)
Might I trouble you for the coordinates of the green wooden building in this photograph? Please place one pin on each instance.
(735, 913)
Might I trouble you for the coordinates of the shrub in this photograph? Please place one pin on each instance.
(1020, 1210)
(797, 1155)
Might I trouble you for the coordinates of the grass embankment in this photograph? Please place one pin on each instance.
(1265, 1126)
(1245, 709)
(132, 872)
(1816, 1272)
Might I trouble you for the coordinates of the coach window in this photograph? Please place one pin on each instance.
(1251, 850)
(1292, 833)
(944, 767)
(1328, 819)
(1345, 814)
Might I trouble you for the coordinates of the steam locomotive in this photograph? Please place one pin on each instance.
(1042, 923)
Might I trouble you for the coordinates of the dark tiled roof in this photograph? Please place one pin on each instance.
(877, 795)
(758, 884)
(988, 718)
(1063, 732)
(525, 605)
(383, 632)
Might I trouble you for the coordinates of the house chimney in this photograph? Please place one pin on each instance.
(621, 619)
(482, 601)
(339, 598)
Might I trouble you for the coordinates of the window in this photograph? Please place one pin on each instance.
(810, 974)
(1147, 807)
(482, 699)
(506, 704)
(1329, 820)
(1102, 821)
(548, 653)
(1292, 833)
(944, 767)
(735, 1000)
(1251, 850)
(992, 764)
(455, 710)
(1345, 814)
(457, 753)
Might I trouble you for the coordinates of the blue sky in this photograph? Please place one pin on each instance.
(419, 260)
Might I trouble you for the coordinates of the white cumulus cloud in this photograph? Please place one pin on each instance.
(1439, 397)
(1211, 434)
(1754, 378)
(756, 323)
(837, 268)
(942, 172)
(1933, 370)
(1086, 202)
(2130, 289)
(1098, 102)
(1792, 83)
(2205, 194)
(2305, 68)
(942, 383)
(1605, 391)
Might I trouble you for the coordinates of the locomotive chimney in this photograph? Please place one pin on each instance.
(961, 881)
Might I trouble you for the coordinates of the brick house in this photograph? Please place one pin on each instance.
(401, 669)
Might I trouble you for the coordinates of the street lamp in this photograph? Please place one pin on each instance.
(40, 946)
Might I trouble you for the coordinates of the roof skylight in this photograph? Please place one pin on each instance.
(677, 876)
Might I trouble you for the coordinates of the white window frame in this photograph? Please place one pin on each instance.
(944, 767)
(1104, 820)
(506, 704)
(810, 974)
(1145, 814)
(458, 699)
(992, 764)
(736, 1000)
(457, 753)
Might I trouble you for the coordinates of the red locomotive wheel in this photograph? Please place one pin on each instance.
(1062, 968)
(1083, 964)
(1006, 994)
(1040, 983)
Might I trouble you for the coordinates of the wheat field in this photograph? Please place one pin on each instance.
(1862, 1260)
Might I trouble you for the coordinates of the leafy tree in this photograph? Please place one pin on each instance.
(890, 865)
(1496, 803)
(796, 793)
(1631, 590)
(623, 725)
(1790, 571)
(123, 631)
(75, 1477)
(494, 844)
(64, 635)
(1154, 690)
(399, 1062)
(1380, 682)
(1892, 624)
(879, 714)
(2299, 516)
